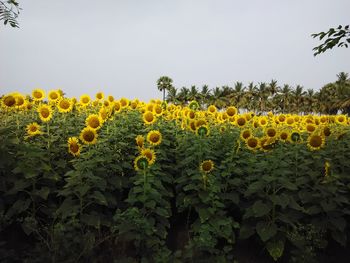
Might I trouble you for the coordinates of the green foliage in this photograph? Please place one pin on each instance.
(9, 12)
(334, 38)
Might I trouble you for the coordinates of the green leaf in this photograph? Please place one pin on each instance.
(43, 192)
(266, 230)
(246, 231)
(97, 195)
(18, 207)
(260, 209)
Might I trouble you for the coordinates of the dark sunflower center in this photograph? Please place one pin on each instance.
(74, 147)
(45, 112)
(89, 136)
(9, 101)
(316, 141)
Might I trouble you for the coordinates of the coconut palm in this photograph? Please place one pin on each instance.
(164, 83)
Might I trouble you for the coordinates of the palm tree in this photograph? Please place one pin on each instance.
(298, 99)
(193, 94)
(204, 95)
(164, 83)
(184, 95)
(172, 95)
(218, 99)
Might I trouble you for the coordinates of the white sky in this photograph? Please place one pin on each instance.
(123, 47)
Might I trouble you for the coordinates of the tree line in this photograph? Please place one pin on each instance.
(264, 97)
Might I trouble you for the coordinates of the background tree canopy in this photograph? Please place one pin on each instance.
(9, 11)
(339, 36)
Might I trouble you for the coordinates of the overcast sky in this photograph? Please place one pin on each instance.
(123, 47)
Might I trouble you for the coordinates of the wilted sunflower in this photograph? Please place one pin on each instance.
(252, 143)
(140, 140)
(8, 101)
(141, 163)
(53, 96)
(206, 166)
(94, 121)
(203, 130)
(84, 100)
(315, 142)
(150, 154)
(38, 94)
(231, 111)
(64, 105)
(266, 143)
(74, 146)
(245, 134)
(154, 137)
(45, 112)
(295, 136)
(148, 117)
(33, 129)
(193, 105)
(88, 136)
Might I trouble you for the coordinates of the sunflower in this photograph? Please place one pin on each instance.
(117, 106)
(74, 146)
(124, 102)
(284, 136)
(245, 134)
(326, 131)
(45, 112)
(191, 114)
(140, 140)
(281, 118)
(150, 154)
(110, 98)
(94, 121)
(8, 101)
(157, 110)
(64, 105)
(100, 96)
(290, 120)
(104, 113)
(84, 100)
(263, 121)
(88, 136)
(271, 132)
(20, 101)
(33, 129)
(341, 119)
(154, 137)
(203, 130)
(266, 143)
(310, 127)
(327, 167)
(148, 117)
(252, 143)
(206, 166)
(134, 104)
(315, 142)
(53, 96)
(212, 109)
(141, 163)
(231, 111)
(38, 94)
(241, 121)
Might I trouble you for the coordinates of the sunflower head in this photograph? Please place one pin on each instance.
(45, 112)
(8, 101)
(141, 163)
(38, 94)
(157, 109)
(94, 121)
(271, 132)
(315, 142)
(212, 109)
(53, 96)
(245, 134)
(84, 100)
(100, 96)
(74, 146)
(203, 130)
(206, 166)
(231, 111)
(341, 119)
(140, 140)
(150, 155)
(33, 129)
(241, 121)
(64, 105)
(154, 137)
(88, 135)
(284, 136)
(148, 117)
(252, 143)
(310, 127)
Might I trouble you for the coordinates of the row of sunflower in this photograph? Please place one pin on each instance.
(101, 171)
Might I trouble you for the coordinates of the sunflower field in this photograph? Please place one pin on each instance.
(119, 180)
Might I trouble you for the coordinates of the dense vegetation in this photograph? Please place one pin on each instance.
(264, 97)
(127, 181)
